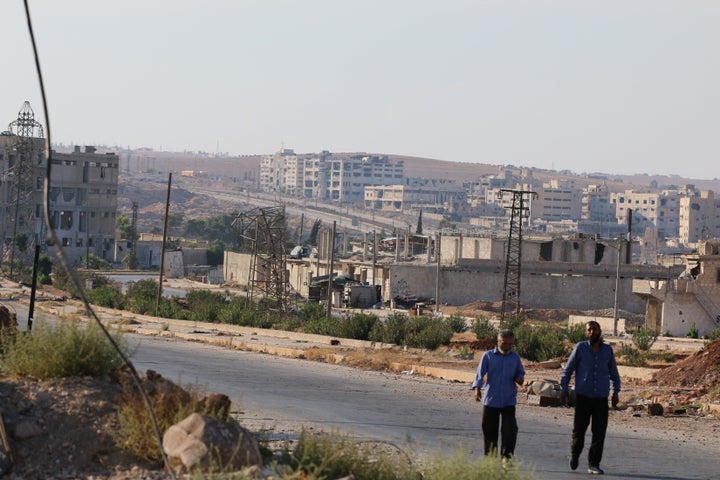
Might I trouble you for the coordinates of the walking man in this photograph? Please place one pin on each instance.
(593, 363)
(500, 371)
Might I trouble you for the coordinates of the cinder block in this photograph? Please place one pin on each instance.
(543, 401)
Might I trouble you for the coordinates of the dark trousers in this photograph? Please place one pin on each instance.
(491, 423)
(587, 409)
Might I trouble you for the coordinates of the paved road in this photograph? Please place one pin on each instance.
(426, 414)
(417, 412)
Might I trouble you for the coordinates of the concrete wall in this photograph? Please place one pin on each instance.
(460, 286)
(236, 267)
(455, 249)
(607, 324)
(680, 311)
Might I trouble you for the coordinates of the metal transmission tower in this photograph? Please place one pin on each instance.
(264, 228)
(19, 204)
(513, 259)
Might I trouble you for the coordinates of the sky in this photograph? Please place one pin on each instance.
(612, 86)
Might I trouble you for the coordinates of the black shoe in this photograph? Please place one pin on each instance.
(573, 462)
(595, 471)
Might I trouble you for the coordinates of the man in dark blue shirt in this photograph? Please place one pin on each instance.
(593, 363)
(500, 370)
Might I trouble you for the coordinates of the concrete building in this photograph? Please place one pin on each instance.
(556, 202)
(699, 217)
(82, 198)
(690, 300)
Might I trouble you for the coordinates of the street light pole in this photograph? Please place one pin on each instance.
(617, 285)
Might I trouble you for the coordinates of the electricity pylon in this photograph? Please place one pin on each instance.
(513, 258)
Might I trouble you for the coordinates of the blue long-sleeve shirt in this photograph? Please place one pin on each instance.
(593, 371)
(502, 371)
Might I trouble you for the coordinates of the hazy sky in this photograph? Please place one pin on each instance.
(590, 86)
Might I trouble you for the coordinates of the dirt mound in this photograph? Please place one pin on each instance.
(699, 370)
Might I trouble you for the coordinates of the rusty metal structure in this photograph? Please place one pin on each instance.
(22, 169)
(513, 258)
(263, 229)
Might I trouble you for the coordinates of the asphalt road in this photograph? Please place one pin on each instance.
(420, 413)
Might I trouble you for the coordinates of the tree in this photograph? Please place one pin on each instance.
(21, 242)
(216, 253)
(127, 231)
(419, 229)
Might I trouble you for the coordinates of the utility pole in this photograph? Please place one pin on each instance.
(437, 272)
(617, 285)
(162, 250)
(331, 261)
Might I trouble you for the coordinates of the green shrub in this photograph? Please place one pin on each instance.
(482, 328)
(323, 326)
(576, 333)
(693, 332)
(644, 339)
(713, 335)
(456, 322)
(204, 305)
(70, 349)
(540, 343)
(631, 356)
(358, 326)
(142, 296)
(312, 311)
(431, 336)
(392, 330)
(106, 296)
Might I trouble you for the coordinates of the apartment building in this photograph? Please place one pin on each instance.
(82, 198)
(429, 194)
(699, 217)
(556, 202)
(326, 176)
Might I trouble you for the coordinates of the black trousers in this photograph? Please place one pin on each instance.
(589, 409)
(491, 417)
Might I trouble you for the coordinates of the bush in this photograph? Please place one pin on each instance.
(456, 322)
(482, 328)
(106, 296)
(204, 305)
(540, 343)
(358, 326)
(323, 326)
(693, 332)
(628, 355)
(644, 339)
(576, 333)
(713, 335)
(393, 330)
(142, 296)
(70, 349)
(312, 311)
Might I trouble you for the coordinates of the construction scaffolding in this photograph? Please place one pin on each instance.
(264, 230)
(513, 259)
(21, 226)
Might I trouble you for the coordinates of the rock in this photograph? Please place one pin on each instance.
(655, 409)
(26, 429)
(203, 442)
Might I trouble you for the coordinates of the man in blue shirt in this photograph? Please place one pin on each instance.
(593, 363)
(500, 370)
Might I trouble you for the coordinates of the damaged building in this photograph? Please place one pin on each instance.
(689, 301)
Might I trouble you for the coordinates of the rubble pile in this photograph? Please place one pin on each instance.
(700, 371)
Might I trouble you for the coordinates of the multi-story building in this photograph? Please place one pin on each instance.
(416, 193)
(596, 205)
(82, 197)
(281, 172)
(327, 177)
(660, 210)
(556, 202)
(699, 217)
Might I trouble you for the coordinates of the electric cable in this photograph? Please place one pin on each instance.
(52, 237)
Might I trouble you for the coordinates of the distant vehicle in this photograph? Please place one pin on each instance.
(302, 251)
